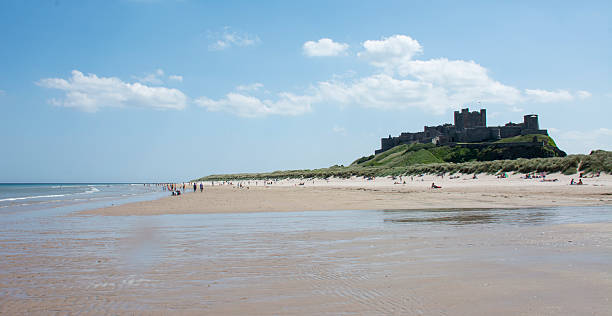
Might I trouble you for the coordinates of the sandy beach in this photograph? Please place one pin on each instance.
(326, 263)
(481, 246)
(386, 193)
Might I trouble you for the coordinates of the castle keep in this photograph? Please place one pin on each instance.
(469, 127)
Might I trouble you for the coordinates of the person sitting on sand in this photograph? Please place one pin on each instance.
(434, 186)
(579, 182)
(572, 182)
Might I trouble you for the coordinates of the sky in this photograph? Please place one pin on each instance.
(154, 91)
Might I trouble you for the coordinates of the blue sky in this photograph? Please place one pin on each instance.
(173, 90)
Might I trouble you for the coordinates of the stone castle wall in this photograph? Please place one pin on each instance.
(468, 127)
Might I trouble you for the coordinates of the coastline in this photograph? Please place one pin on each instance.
(528, 261)
(386, 193)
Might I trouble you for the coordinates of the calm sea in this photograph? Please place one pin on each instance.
(22, 197)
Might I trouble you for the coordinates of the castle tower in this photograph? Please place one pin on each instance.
(458, 120)
(467, 119)
(483, 117)
(531, 122)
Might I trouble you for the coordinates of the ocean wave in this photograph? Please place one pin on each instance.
(62, 186)
(31, 197)
(90, 191)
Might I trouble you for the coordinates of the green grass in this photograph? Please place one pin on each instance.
(529, 138)
(597, 161)
(416, 159)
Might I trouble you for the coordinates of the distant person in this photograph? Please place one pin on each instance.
(579, 182)
(201, 186)
(194, 187)
(572, 182)
(434, 186)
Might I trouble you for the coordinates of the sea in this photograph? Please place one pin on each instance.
(25, 197)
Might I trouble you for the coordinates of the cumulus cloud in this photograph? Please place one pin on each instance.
(324, 47)
(390, 52)
(399, 82)
(228, 38)
(246, 105)
(90, 93)
(434, 85)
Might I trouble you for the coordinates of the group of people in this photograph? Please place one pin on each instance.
(576, 183)
(195, 187)
(178, 189)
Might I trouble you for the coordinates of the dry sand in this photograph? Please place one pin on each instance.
(377, 194)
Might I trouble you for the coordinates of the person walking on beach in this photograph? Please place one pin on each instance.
(194, 187)
(201, 186)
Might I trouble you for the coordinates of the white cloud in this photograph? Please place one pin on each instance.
(583, 94)
(228, 38)
(90, 93)
(324, 47)
(390, 52)
(176, 78)
(250, 106)
(400, 82)
(384, 92)
(250, 87)
(434, 85)
(545, 96)
(155, 78)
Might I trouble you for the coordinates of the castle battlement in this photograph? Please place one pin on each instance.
(468, 127)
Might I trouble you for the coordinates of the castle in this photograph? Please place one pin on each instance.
(469, 127)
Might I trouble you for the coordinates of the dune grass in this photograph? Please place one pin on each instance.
(597, 161)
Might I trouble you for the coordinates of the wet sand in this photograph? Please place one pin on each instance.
(379, 194)
(303, 264)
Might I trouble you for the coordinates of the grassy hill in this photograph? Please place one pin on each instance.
(416, 159)
(404, 155)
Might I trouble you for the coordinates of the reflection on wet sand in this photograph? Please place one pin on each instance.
(361, 262)
(471, 216)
